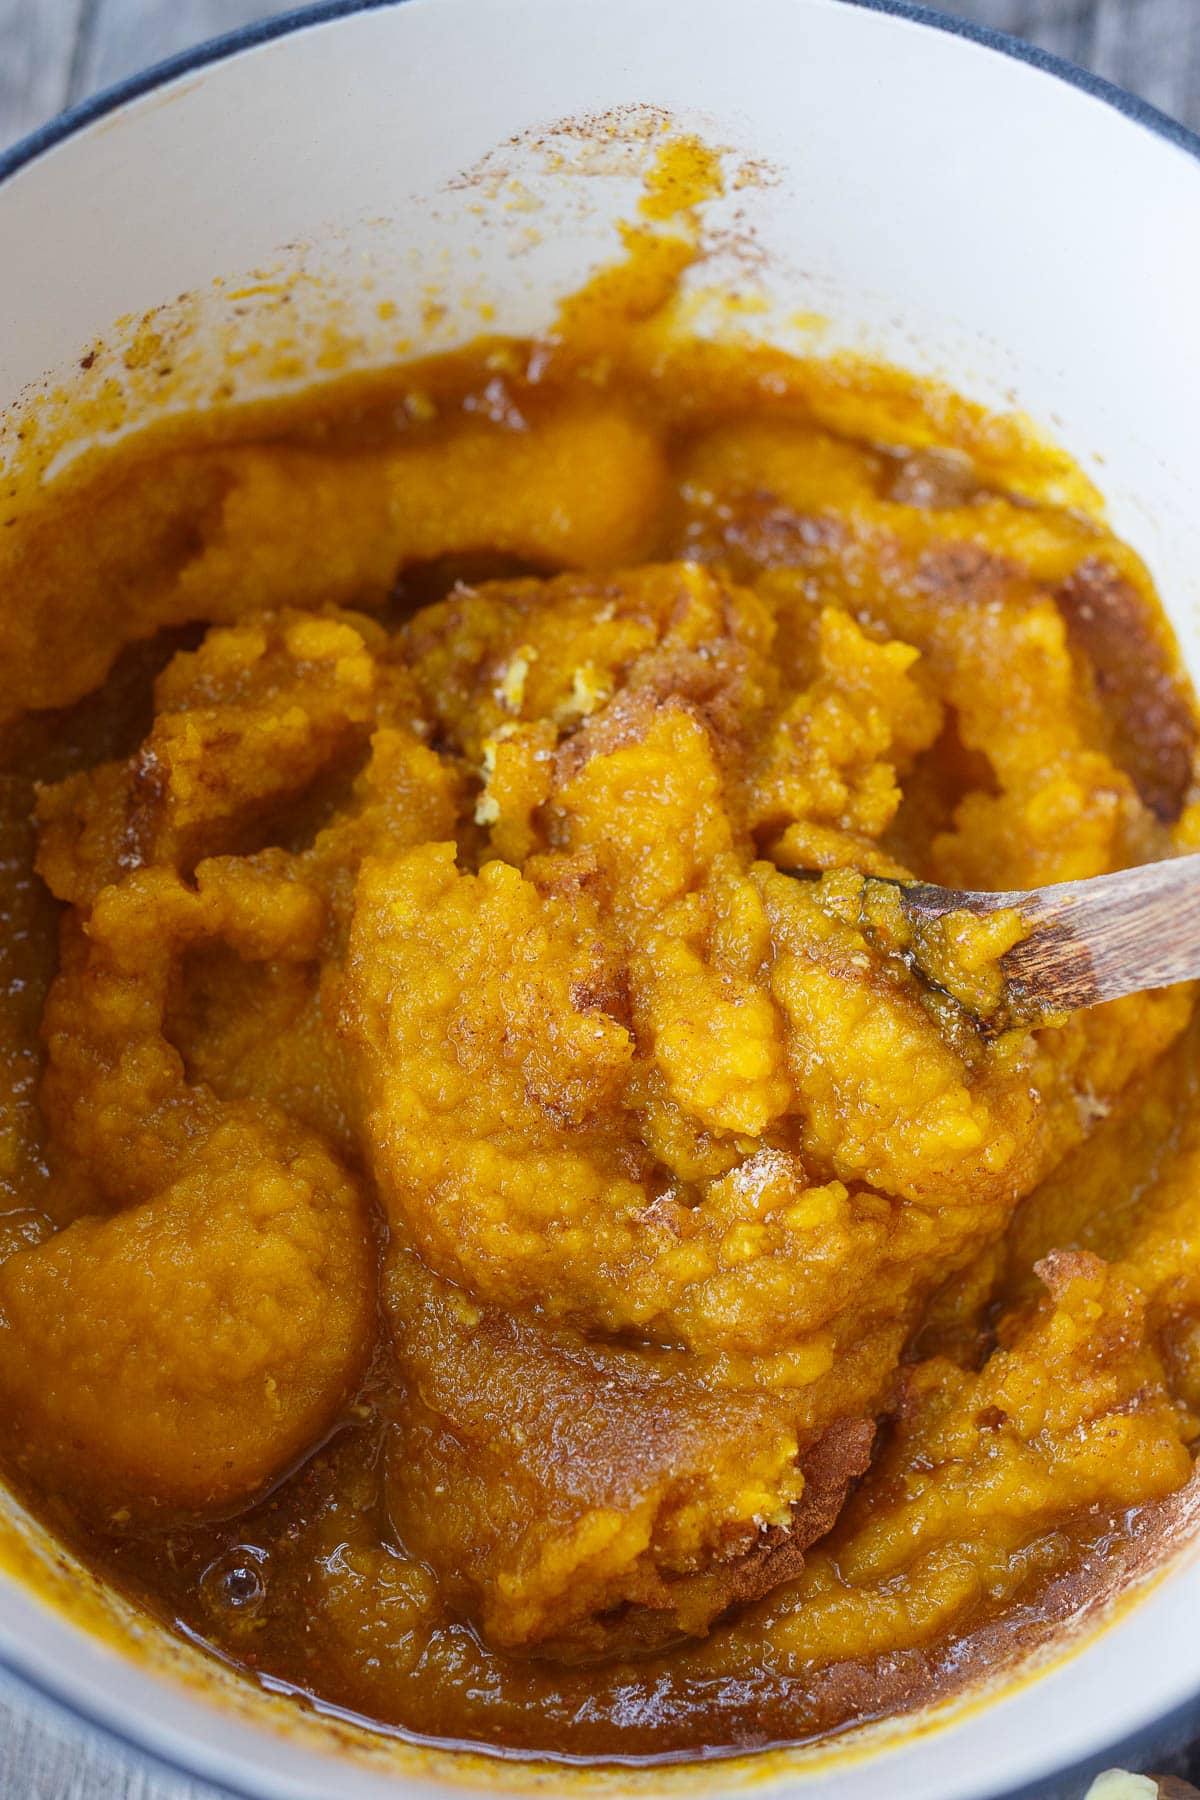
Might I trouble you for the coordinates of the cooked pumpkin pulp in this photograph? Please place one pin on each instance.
(480, 1243)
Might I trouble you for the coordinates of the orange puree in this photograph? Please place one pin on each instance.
(478, 1242)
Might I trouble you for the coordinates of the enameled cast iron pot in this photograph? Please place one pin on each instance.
(953, 201)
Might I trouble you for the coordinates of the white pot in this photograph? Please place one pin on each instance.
(955, 203)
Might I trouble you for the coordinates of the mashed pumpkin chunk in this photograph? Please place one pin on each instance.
(616, 1507)
(185, 1351)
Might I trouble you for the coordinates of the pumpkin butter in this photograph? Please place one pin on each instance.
(482, 1244)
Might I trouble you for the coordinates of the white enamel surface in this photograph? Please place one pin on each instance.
(956, 211)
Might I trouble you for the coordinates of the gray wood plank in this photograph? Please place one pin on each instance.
(44, 1757)
(1061, 26)
(1151, 47)
(37, 39)
(120, 36)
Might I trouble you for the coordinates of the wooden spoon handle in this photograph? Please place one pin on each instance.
(1091, 940)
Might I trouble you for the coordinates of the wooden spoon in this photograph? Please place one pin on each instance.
(1088, 940)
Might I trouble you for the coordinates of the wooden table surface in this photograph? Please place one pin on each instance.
(54, 52)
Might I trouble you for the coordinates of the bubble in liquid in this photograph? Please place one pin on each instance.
(236, 1581)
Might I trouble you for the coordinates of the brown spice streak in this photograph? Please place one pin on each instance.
(1138, 681)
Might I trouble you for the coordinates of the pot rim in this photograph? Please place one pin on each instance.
(74, 119)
